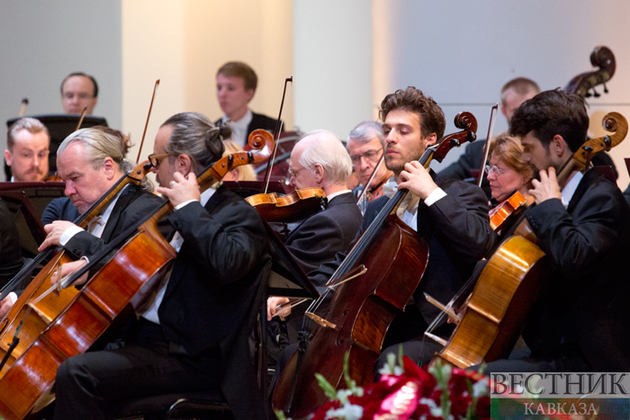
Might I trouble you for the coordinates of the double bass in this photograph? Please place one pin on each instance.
(390, 259)
(120, 285)
(490, 320)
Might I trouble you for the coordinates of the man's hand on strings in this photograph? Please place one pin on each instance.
(181, 189)
(54, 231)
(547, 187)
(69, 268)
(417, 180)
(272, 307)
(5, 306)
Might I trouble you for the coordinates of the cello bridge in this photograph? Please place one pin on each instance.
(321, 321)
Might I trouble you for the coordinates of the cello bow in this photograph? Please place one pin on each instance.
(390, 258)
(124, 280)
(490, 320)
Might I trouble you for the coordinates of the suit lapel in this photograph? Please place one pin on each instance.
(127, 196)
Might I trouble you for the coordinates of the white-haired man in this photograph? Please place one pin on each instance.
(319, 160)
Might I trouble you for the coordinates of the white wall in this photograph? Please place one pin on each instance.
(183, 43)
(333, 64)
(43, 41)
(462, 52)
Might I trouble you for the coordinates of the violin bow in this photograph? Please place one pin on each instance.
(23, 107)
(363, 195)
(276, 134)
(81, 118)
(486, 149)
(146, 125)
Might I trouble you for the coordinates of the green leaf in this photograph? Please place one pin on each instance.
(329, 390)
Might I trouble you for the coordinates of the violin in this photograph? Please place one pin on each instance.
(289, 208)
(491, 319)
(509, 208)
(386, 264)
(123, 282)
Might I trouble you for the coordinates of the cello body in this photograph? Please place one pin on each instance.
(391, 259)
(120, 285)
(141, 256)
(496, 311)
(509, 284)
(395, 265)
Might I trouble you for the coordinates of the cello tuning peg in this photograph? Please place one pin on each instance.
(588, 94)
(596, 94)
(605, 88)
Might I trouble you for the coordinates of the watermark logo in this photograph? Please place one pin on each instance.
(563, 395)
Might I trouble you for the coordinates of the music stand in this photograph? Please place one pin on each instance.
(59, 126)
(27, 201)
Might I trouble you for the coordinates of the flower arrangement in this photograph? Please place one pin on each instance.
(406, 391)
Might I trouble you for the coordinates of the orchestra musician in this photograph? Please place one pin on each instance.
(182, 341)
(236, 86)
(91, 161)
(79, 90)
(319, 160)
(451, 216)
(365, 146)
(513, 94)
(580, 322)
(27, 150)
(63, 209)
(507, 172)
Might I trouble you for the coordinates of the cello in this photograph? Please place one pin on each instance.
(490, 322)
(390, 259)
(119, 285)
(602, 58)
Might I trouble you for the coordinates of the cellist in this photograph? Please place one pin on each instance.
(91, 161)
(182, 336)
(451, 216)
(580, 322)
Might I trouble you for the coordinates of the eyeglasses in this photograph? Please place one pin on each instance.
(294, 174)
(494, 170)
(70, 95)
(155, 159)
(370, 155)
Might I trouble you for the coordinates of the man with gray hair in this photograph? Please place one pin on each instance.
(319, 160)
(27, 150)
(192, 333)
(91, 161)
(365, 146)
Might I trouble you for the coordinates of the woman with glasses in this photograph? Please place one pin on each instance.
(507, 172)
(508, 175)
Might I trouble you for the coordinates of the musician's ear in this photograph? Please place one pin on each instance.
(184, 164)
(7, 157)
(431, 139)
(558, 146)
(110, 168)
(318, 173)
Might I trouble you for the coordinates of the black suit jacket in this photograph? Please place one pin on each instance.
(258, 121)
(318, 238)
(456, 229)
(133, 204)
(218, 278)
(217, 281)
(584, 300)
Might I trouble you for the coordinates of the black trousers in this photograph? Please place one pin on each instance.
(146, 366)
